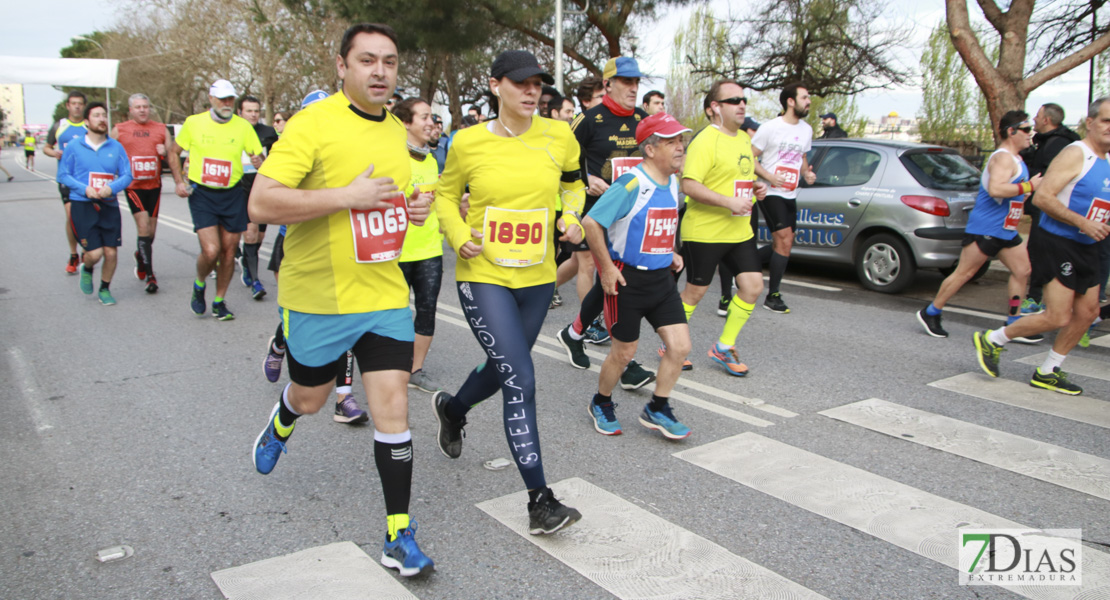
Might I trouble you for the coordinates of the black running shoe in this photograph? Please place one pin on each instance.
(575, 350)
(548, 515)
(775, 304)
(931, 323)
(988, 353)
(1056, 381)
(722, 306)
(451, 433)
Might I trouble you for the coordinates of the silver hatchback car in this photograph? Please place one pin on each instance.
(887, 208)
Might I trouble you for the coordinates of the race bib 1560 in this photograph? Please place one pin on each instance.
(744, 191)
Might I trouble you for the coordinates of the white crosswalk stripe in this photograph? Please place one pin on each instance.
(643, 555)
(1084, 409)
(1075, 365)
(1039, 460)
(907, 517)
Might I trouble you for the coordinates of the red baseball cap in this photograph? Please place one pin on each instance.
(660, 124)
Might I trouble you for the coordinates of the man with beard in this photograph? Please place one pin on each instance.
(95, 168)
(215, 140)
(781, 145)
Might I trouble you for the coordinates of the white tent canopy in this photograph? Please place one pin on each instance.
(75, 72)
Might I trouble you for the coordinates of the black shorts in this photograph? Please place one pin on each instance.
(372, 351)
(146, 201)
(991, 245)
(701, 259)
(1075, 265)
(224, 207)
(96, 224)
(64, 191)
(277, 253)
(778, 212)
(648, 294)
(29, 153)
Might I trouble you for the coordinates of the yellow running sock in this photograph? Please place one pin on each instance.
(738, 313)
(689, 310)
(281, 429)
(396, 523)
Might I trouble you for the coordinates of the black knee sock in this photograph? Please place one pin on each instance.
(778, 268)
(726, 281)
(250, 258)
(657, 403)
(279, 338)
(394, 462)
(145, 245)
(104, 284)
(764, 254)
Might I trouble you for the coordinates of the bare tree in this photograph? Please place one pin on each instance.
(1006, 84)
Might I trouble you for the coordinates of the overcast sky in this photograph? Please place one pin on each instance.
(43, 28)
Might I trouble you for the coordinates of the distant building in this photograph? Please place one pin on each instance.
(11, 100)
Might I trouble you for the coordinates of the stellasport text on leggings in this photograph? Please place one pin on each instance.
(506, 323)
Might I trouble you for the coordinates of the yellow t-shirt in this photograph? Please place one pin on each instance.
(327, 145)
(29, 142)
(215, 149)
(513, 185)
(424, 241)
(717, 161)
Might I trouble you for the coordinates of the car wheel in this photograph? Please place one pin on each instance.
(884, 264)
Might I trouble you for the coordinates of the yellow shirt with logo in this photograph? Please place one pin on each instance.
(29, 142)
(717, 161)
(423, 241)
(327, 145)
(202, 137)
(513, 185)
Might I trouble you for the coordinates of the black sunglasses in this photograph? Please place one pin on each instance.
(734, 100)
(1024, 129)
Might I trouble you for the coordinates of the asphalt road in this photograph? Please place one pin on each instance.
(133, 425)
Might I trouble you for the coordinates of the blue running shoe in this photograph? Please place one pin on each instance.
(605, 418)
(664, 421)
(220, 311)
(404, 555)
(86, 280)
(596, 333)
(245, 277)
(197, 303)
(267, 447)
(258, 290)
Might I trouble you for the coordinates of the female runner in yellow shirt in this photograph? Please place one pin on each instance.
(515, 166)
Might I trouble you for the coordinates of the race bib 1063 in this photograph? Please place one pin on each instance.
(515, 238)
(99, 180)
(1099, 211)
(215, 172)
(380, 233)
(789, 177)
(744, 191)
(624, 164)
(1017, 209)
(145, 167)
(662, 223)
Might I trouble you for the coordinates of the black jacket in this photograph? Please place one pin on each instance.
(1045, 148)
(833, 132)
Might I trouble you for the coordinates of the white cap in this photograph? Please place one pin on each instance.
(222, 88)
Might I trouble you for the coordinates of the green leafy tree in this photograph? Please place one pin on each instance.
(946, 89)
(697, 41)
(847, 114)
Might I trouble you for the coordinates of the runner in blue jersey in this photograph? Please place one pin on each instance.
(59, 135)
(1075, 198)
(639, 212)
(992, 228)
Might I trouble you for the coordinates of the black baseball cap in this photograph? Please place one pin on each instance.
(829, 115)
(749, 123)
(518, 65)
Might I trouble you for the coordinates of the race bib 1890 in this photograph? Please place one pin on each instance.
(515, 238)
(380, 233)
(215, 172)
(145, 167)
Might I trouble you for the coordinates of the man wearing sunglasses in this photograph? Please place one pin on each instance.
(992, 226)
(720, 182)
(1075, 202)
(781, 145)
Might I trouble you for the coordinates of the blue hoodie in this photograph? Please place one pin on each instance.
(109, 162)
